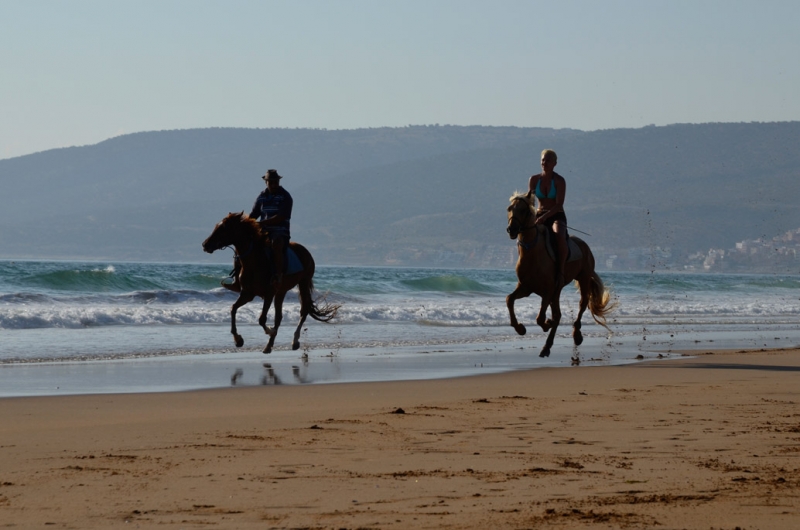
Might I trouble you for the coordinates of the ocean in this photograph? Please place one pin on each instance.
(70, 327)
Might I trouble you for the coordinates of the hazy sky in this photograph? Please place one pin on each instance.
(79, 72)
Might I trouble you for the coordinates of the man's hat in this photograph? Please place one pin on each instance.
(272, 174)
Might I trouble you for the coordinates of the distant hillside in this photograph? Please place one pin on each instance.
(415, 195)
(150, 195)
(683, 187)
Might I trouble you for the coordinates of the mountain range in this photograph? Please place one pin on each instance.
(417, 195)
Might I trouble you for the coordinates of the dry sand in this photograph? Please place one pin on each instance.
(706, 442)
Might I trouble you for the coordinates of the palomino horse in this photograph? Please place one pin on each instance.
(250, 243)
(536, 273)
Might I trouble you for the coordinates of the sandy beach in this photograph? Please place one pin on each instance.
(711, 441)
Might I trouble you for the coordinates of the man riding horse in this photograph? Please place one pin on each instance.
(273, 210)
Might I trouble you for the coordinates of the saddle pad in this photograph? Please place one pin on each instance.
(293, 264)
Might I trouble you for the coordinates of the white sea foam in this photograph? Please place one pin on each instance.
(135, 303)
(177, 308)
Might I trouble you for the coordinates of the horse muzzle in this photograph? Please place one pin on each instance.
(513, 231)
(209, 247)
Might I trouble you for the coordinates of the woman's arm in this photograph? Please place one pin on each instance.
(532, 188)
(532, 183)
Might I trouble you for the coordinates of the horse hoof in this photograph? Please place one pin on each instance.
(267, 350)
(578, 338)
(295, 346)
(239, 341)
(520, 329)
(545, 352)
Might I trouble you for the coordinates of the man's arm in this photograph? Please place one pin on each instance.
(274, 220)
(255, 213)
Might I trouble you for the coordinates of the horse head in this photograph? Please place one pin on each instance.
(226, 233)
(519, 213)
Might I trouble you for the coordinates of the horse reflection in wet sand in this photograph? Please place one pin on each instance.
(536, 273)
(250, 244)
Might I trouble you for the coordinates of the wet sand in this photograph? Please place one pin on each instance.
(706, 442)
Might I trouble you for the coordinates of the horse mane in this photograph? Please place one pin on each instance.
(523, 196)
(250, 226)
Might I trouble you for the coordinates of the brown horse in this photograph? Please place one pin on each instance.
(250, 244)
(536, 273)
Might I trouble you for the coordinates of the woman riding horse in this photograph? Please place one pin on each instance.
(536, 274)
(550, 189)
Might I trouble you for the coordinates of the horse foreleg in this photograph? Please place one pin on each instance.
(555, 309)
(277, 321)
(242, 300)
(541, 317)
(518, 293)
(262, 319)
(577, 336)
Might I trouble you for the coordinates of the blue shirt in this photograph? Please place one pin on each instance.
(271, 204)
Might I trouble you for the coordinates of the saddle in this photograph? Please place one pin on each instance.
(573, 250)
(291, 264)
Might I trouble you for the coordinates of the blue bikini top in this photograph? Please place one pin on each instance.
(551, 194)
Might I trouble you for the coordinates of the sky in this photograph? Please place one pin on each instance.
(79, 72)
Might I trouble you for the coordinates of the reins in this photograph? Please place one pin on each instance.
(528, 246)
(570, 228)
(239, 256)
(523, 228)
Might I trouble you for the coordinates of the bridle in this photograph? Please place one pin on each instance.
(518, 224)
(231, 245)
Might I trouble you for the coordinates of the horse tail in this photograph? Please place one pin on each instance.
(320, 309)
(600, 301)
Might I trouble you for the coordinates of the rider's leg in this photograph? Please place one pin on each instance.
(560, 230)
(278, 249)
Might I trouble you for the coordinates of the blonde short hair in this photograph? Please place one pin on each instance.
(548, 153)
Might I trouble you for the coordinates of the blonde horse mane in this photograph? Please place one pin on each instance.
(526, 196)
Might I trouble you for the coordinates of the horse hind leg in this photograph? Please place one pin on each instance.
(296, 338)
(577, 336)
(306, 303)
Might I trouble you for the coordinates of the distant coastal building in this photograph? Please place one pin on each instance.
(779, 254)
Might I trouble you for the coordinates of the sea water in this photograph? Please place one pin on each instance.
(86, 327)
